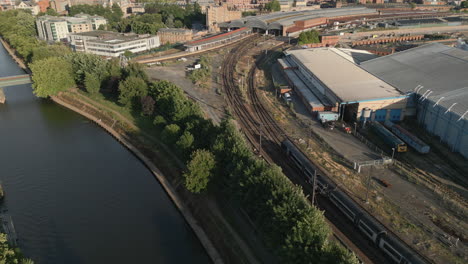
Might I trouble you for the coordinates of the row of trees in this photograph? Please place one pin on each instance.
(217, 157)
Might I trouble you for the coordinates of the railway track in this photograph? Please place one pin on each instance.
(252, 118)
(264, 133)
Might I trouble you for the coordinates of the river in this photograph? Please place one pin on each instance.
(76, 195)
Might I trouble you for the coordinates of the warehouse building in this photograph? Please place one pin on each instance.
(331, 79)
(436, 78)
(112, 44)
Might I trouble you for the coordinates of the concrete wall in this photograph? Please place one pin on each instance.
(445, 125)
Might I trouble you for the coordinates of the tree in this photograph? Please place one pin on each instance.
(51, 76)
(307, 37)
(464, 4)
(178, 24)
(102, 27)
(135, 70)
(147, 105)
(170, 133)
(127, 54)
(84, 62)
(273, 6)
(199, 171)
(169, 21)
(307, 239)
(92, 83)
(43, 52)
(412, 5)
(159, 121)
(131, 89)
(185, 142)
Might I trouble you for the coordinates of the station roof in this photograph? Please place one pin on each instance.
(216, 37)
(278, 19)
(442, 70)
(342, 76)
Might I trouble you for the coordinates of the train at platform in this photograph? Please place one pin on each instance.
(396, 250)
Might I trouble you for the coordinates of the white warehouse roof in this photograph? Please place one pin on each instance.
(341, 75)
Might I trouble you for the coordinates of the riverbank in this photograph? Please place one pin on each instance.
(126, 141)
(120, 135)
(12, 53)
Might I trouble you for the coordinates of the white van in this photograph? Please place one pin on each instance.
(287, 97)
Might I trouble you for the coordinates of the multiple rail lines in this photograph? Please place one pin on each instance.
(263, 132)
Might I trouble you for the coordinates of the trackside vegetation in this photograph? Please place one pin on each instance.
(218, 160)
(309, 37)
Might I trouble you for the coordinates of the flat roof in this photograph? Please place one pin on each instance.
(442, 70)
(110, 37)
(347, 80)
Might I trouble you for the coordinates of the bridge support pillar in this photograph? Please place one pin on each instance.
(2, 96)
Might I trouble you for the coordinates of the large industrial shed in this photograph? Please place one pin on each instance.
(436, 76)
(333, 74)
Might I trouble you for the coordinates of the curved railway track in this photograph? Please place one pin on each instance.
(258, 125)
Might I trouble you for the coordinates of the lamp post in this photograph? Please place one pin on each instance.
(393, 153)
(355, 128)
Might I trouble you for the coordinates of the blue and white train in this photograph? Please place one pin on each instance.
(372, 229)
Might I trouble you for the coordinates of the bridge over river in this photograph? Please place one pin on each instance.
(11, 81)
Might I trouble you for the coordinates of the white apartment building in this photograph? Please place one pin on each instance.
(53, 29)
(112, 44)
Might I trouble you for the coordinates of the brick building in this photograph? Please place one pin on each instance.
(219, 14)
(174, 35)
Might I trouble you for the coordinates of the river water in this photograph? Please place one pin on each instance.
(76, 195)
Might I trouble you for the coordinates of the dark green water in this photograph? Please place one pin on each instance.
(76, 195)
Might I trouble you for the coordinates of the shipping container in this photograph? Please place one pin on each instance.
(327, 116)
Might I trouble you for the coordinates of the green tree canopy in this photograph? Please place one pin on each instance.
(273, 6)
(185, 142)
(92, 83)
(51, 76)
(131, 89)
(464, 4)
(83, 63)
(170, 133)
(308, 37)
(199, 171)
(55, 50)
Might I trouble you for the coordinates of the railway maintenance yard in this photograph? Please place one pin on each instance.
(414, 184)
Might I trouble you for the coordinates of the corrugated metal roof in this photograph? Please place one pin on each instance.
(342, 76)
(442, 70)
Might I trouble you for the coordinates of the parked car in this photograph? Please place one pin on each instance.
(287, 97)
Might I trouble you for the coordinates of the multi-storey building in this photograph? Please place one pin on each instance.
(218, 14)
(112, 44)
(174, 35)
(60, 6)
(57, 28)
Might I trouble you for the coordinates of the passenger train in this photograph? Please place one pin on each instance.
(373, 230)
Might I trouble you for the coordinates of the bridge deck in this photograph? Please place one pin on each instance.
(15, 80)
